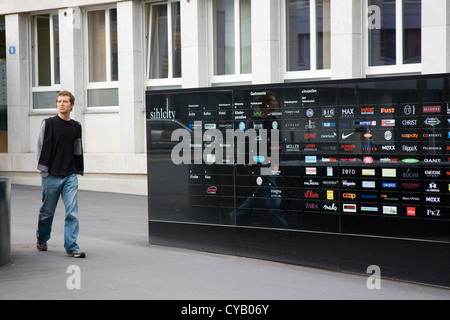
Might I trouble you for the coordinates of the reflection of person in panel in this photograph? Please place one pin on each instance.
(267, 188)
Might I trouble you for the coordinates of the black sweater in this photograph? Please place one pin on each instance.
(59, 149)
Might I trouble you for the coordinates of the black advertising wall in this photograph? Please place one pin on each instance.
(334, 174)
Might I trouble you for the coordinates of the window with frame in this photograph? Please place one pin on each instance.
(232, 37)
(45, 60)
(308, 40)
(103, 76)
(163, 41)
(394, 32)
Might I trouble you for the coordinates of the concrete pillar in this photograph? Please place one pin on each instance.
(194, 44)
(435, 36)
(71, 58)
(131, 78)
(346, 39)
(266, 65)
(18, 83)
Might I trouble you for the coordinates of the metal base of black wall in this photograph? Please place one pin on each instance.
(5, 221)
(409, 260)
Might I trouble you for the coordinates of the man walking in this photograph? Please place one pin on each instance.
(60, 159)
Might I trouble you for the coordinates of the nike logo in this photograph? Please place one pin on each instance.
(345, 136)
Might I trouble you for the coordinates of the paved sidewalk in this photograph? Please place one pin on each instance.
(121, 264)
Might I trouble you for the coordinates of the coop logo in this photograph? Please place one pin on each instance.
(161, 113)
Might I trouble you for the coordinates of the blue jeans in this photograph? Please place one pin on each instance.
(52, 188)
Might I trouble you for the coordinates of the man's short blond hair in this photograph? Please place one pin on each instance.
(66, 93)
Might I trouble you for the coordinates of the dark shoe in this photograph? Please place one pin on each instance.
(41, 245)
(77, 254)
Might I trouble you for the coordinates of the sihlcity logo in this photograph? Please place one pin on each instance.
(231, 150)
(160, 113)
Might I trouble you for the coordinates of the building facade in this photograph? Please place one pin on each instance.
(109, 53)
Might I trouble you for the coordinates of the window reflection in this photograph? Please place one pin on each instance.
(224, 37)
(323, 34)
(412, 31)
(298, 35)
(382, 40)
(97, 46)
(385, 38)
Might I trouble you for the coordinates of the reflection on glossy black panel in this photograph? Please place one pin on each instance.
(365, 157)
